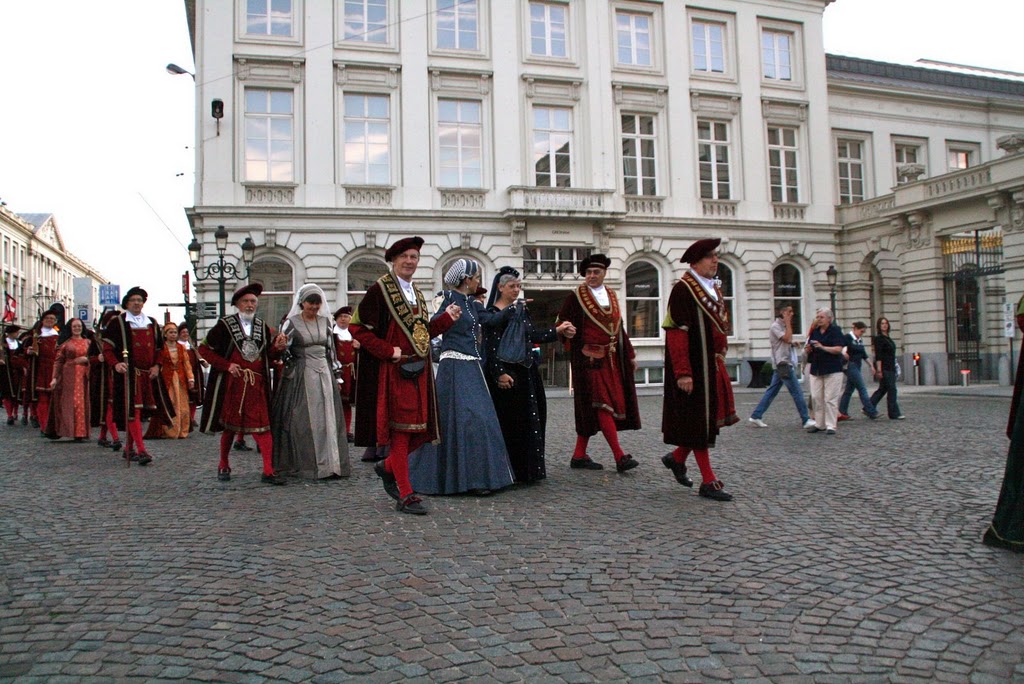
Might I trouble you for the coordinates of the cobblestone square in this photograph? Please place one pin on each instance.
(854, 557)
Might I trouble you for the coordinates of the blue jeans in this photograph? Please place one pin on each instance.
(794, 388)
(855, 381)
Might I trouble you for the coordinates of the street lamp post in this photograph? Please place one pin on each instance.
(832, 274)
(220, 270)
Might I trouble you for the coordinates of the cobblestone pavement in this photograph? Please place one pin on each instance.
(848, 558)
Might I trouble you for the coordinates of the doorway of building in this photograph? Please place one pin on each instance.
(554, 360)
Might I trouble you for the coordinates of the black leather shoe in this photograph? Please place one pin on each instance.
(24, 420)
(678, 469)
(144, 458)
(116, 445)
(274, 479)
(35, 422)
(625, 463)
(242, 446)
(103, 442)
(388, 480)
(411, 504)
(350, 437)
(10, 421)
(585, 463)
(714, 490)
(224, 475)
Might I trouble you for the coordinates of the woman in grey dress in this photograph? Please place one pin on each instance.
(306, 416)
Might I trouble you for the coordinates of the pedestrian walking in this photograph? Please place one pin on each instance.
(824, 348)
(857, 355)
(784, 360)
(885, 370)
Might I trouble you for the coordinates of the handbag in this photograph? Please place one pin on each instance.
(410, 370)
(784, 369)
(512, 346)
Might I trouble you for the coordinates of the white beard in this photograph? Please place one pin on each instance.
(247, 318)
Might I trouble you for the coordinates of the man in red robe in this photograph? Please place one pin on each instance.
(101, 391)
(603, 362)
(131, 341)
(698, 391)
(395, 402)
(345, 347)
(41, 352)
(12, 358)
(239, 350)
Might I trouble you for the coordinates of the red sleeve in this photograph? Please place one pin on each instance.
(58, 360)
(215, 360)
(375, 346)
(440, 325)
(678, 343)
(109, 356)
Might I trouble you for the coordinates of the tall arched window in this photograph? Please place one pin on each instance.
(643, 299)
(277, 280)
(362, 273)
(788, 289)
(728, 291)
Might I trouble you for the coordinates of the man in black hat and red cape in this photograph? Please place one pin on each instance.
(395, 401)
(346, 346)
(239, 349)
(698, 391)
(131, 342)
(12, 362)
(603, 363)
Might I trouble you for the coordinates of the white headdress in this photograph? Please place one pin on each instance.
(462, 268)
(325, 306)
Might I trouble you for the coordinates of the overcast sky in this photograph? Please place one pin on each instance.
(95, 131)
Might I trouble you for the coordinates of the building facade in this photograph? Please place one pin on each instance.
(533, 132)
(37, 269)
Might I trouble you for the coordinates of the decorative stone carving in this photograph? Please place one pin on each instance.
(1016, 221)
(270, 237)
(463, 198)
(269, 194)
(790, 212)
(464, 241)
(460, 80)
(783, 110)
(795, 247)
(368, 196)
(1011, 144)
(518, 235)
(639, 95)
(719, 208)
(269, 69)
(356, 74)
(648, 243)
(918, 230)
(651, 206)
(908, 173)
(951, 183)
(606, 231)
(370, 239)
(870, 210)
(710, 104)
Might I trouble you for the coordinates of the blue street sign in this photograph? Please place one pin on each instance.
(83, 315)
(110, 295)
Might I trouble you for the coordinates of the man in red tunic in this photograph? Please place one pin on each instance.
(603, 363)
(698, 392)
(41, 352)
(12, 358)
(346, 347)
(395, 402)
(131, 341)
(101, 390)
(239, 349)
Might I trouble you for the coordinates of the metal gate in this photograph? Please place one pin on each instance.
(969, 257)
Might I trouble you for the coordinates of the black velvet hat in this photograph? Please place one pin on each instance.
(401, 246)
(700, 249)
(133, 291)
(599, 260)
(252, 288)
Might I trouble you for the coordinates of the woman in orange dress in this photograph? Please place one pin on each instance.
(176, 369)
(70, 386)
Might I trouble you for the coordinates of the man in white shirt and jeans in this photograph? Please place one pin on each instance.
(780, 336)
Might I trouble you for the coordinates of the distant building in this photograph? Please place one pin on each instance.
(533, 132)
(37, 270)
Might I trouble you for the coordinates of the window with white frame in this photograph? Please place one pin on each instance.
(457, 24)
(909, 151)
(277, 280)
(367, 134)
(788, 290)
(555, 262)
(366, 21)
(269, 18)
(362, 273)
(269, 135)
(460, 140)
(708, 46)
(850, 168)
(713, 159)
(633, 38)
(961, 155)
(643, 300)
(777, 54)
(639, 164)
(552, 146)
(725, 283)
(549, 29)
(783, 174)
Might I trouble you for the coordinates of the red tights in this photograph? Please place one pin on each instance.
(133, 434)
(11, 407)
(108, 426)
(611, 435)
(397, 462)
(264, 442)
(43, 410)
(703, 462)
(347, 408)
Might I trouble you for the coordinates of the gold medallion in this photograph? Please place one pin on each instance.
(420, 338)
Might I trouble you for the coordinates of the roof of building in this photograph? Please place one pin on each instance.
(949, 81)
(36, 220)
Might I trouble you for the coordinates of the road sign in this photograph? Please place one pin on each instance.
(110, 295)
(206, 310)
(83, 314)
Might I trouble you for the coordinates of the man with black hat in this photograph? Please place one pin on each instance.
(11, 370)
(41, 352)
(239, 349)
(603, 363)
(698, 392)
(131, 342)
(345, 347)
(395, 401)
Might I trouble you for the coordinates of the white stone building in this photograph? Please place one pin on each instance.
(36, 268)
(531, 132)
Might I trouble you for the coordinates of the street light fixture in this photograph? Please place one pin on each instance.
(176, 70)
(220, 270)
(832, 275)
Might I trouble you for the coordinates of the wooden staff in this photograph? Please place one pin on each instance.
(127, 405)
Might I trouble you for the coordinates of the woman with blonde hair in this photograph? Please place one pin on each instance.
(176, 371)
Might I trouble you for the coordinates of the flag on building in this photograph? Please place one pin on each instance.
(10, 307)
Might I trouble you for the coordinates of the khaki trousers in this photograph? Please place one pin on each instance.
(825, 393)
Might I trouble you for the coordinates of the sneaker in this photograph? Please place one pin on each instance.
(813, 429)
(809, 423)
(899, 417)
(757, 422)
(872, 416)
(830, 431)
(843, 416)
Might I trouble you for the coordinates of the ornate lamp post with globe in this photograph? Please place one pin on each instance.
(221, 270)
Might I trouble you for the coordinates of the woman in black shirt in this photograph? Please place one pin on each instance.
(885, 369)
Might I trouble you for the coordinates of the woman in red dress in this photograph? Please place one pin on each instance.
(70, 385)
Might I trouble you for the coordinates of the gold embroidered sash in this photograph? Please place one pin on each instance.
(608, 319)
(717, 311)
(413, 324)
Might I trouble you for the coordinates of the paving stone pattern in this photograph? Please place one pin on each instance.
(854, 557)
